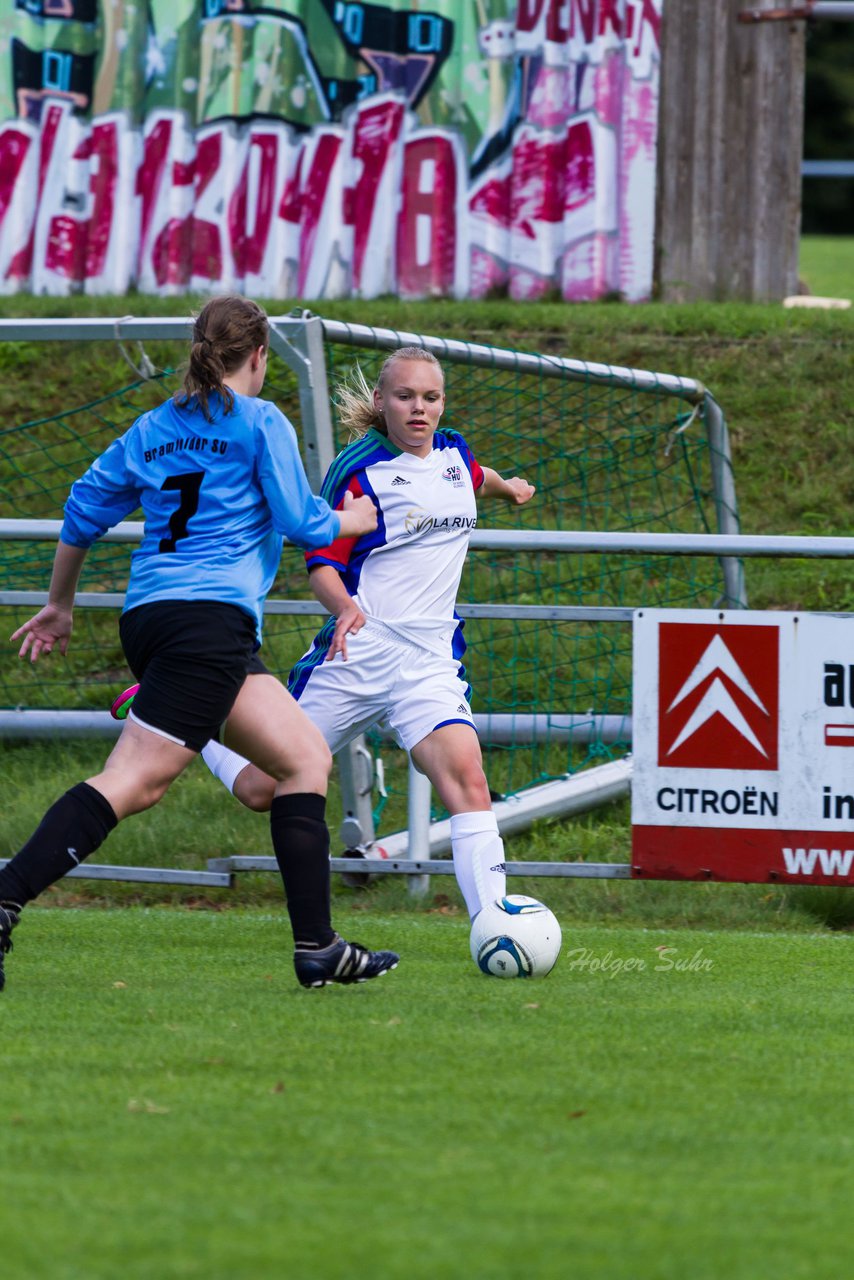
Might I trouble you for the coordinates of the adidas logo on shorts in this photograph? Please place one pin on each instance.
(499, 866)
(463, 709)
(400, 480)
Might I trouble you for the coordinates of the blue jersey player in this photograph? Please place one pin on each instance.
(218, 476)
(392, 594)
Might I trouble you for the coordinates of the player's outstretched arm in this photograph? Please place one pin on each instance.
(51, 627)
(515, 490)
(357, 516)
(327, 585)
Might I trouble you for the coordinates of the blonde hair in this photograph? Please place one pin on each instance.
(226, 331)
(354, 398)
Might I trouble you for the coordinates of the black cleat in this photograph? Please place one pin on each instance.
(342, 962)
(8, 920)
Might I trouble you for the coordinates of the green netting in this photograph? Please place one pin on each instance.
(603, 457)
(39, 459)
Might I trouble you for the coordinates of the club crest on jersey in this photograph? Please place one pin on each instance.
(455, 475)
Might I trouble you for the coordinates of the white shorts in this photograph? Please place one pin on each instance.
(386, 681)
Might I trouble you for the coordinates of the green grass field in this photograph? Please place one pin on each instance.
(664, 1104)
(826, 266)
(175, 1106)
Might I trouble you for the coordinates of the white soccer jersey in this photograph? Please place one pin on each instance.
(407, 572)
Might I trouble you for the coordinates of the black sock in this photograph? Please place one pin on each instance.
(71, 829)
(301, 845)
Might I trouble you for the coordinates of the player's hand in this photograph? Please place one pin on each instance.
(350, 620)
(358, 516)
(49, 629)
(520, 491)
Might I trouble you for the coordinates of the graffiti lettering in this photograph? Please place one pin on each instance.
(312, 203)
(77, 247)
(646, 18)
(369, 205)
(69, 10)
(532, 169)
(18, 177)
(561, 20)
(250, 215)
(611, 19)
(429, 217)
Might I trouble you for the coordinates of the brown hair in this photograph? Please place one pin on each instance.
(225, 333)
(354, 400)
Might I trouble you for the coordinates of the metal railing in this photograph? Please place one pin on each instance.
(299, 340)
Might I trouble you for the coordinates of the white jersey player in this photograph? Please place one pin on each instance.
(392, 650)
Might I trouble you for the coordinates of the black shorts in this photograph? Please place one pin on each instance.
(190, 658)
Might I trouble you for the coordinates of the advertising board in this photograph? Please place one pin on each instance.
(743, 745)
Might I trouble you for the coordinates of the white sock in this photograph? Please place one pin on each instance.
(478, 859)
(223, 763)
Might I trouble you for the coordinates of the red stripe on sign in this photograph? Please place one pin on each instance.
(839, 735)
(743, 854)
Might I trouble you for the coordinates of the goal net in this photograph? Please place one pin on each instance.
(548, 633)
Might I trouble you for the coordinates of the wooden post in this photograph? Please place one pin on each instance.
(730, 145)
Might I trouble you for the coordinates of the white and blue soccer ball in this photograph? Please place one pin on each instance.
(515, 937)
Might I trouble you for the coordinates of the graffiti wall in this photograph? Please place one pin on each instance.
(324, 149)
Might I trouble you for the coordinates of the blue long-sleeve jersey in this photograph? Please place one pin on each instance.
(217, 498)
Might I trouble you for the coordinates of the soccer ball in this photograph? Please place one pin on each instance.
(515, 937)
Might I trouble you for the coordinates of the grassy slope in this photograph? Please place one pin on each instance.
(827, 266)
(784, 378)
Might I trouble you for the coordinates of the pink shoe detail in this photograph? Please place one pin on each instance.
(123, 703)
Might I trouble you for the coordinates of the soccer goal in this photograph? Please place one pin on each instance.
(612, 451)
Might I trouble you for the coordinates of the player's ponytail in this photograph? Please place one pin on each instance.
(225, 333)
(354, 399)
